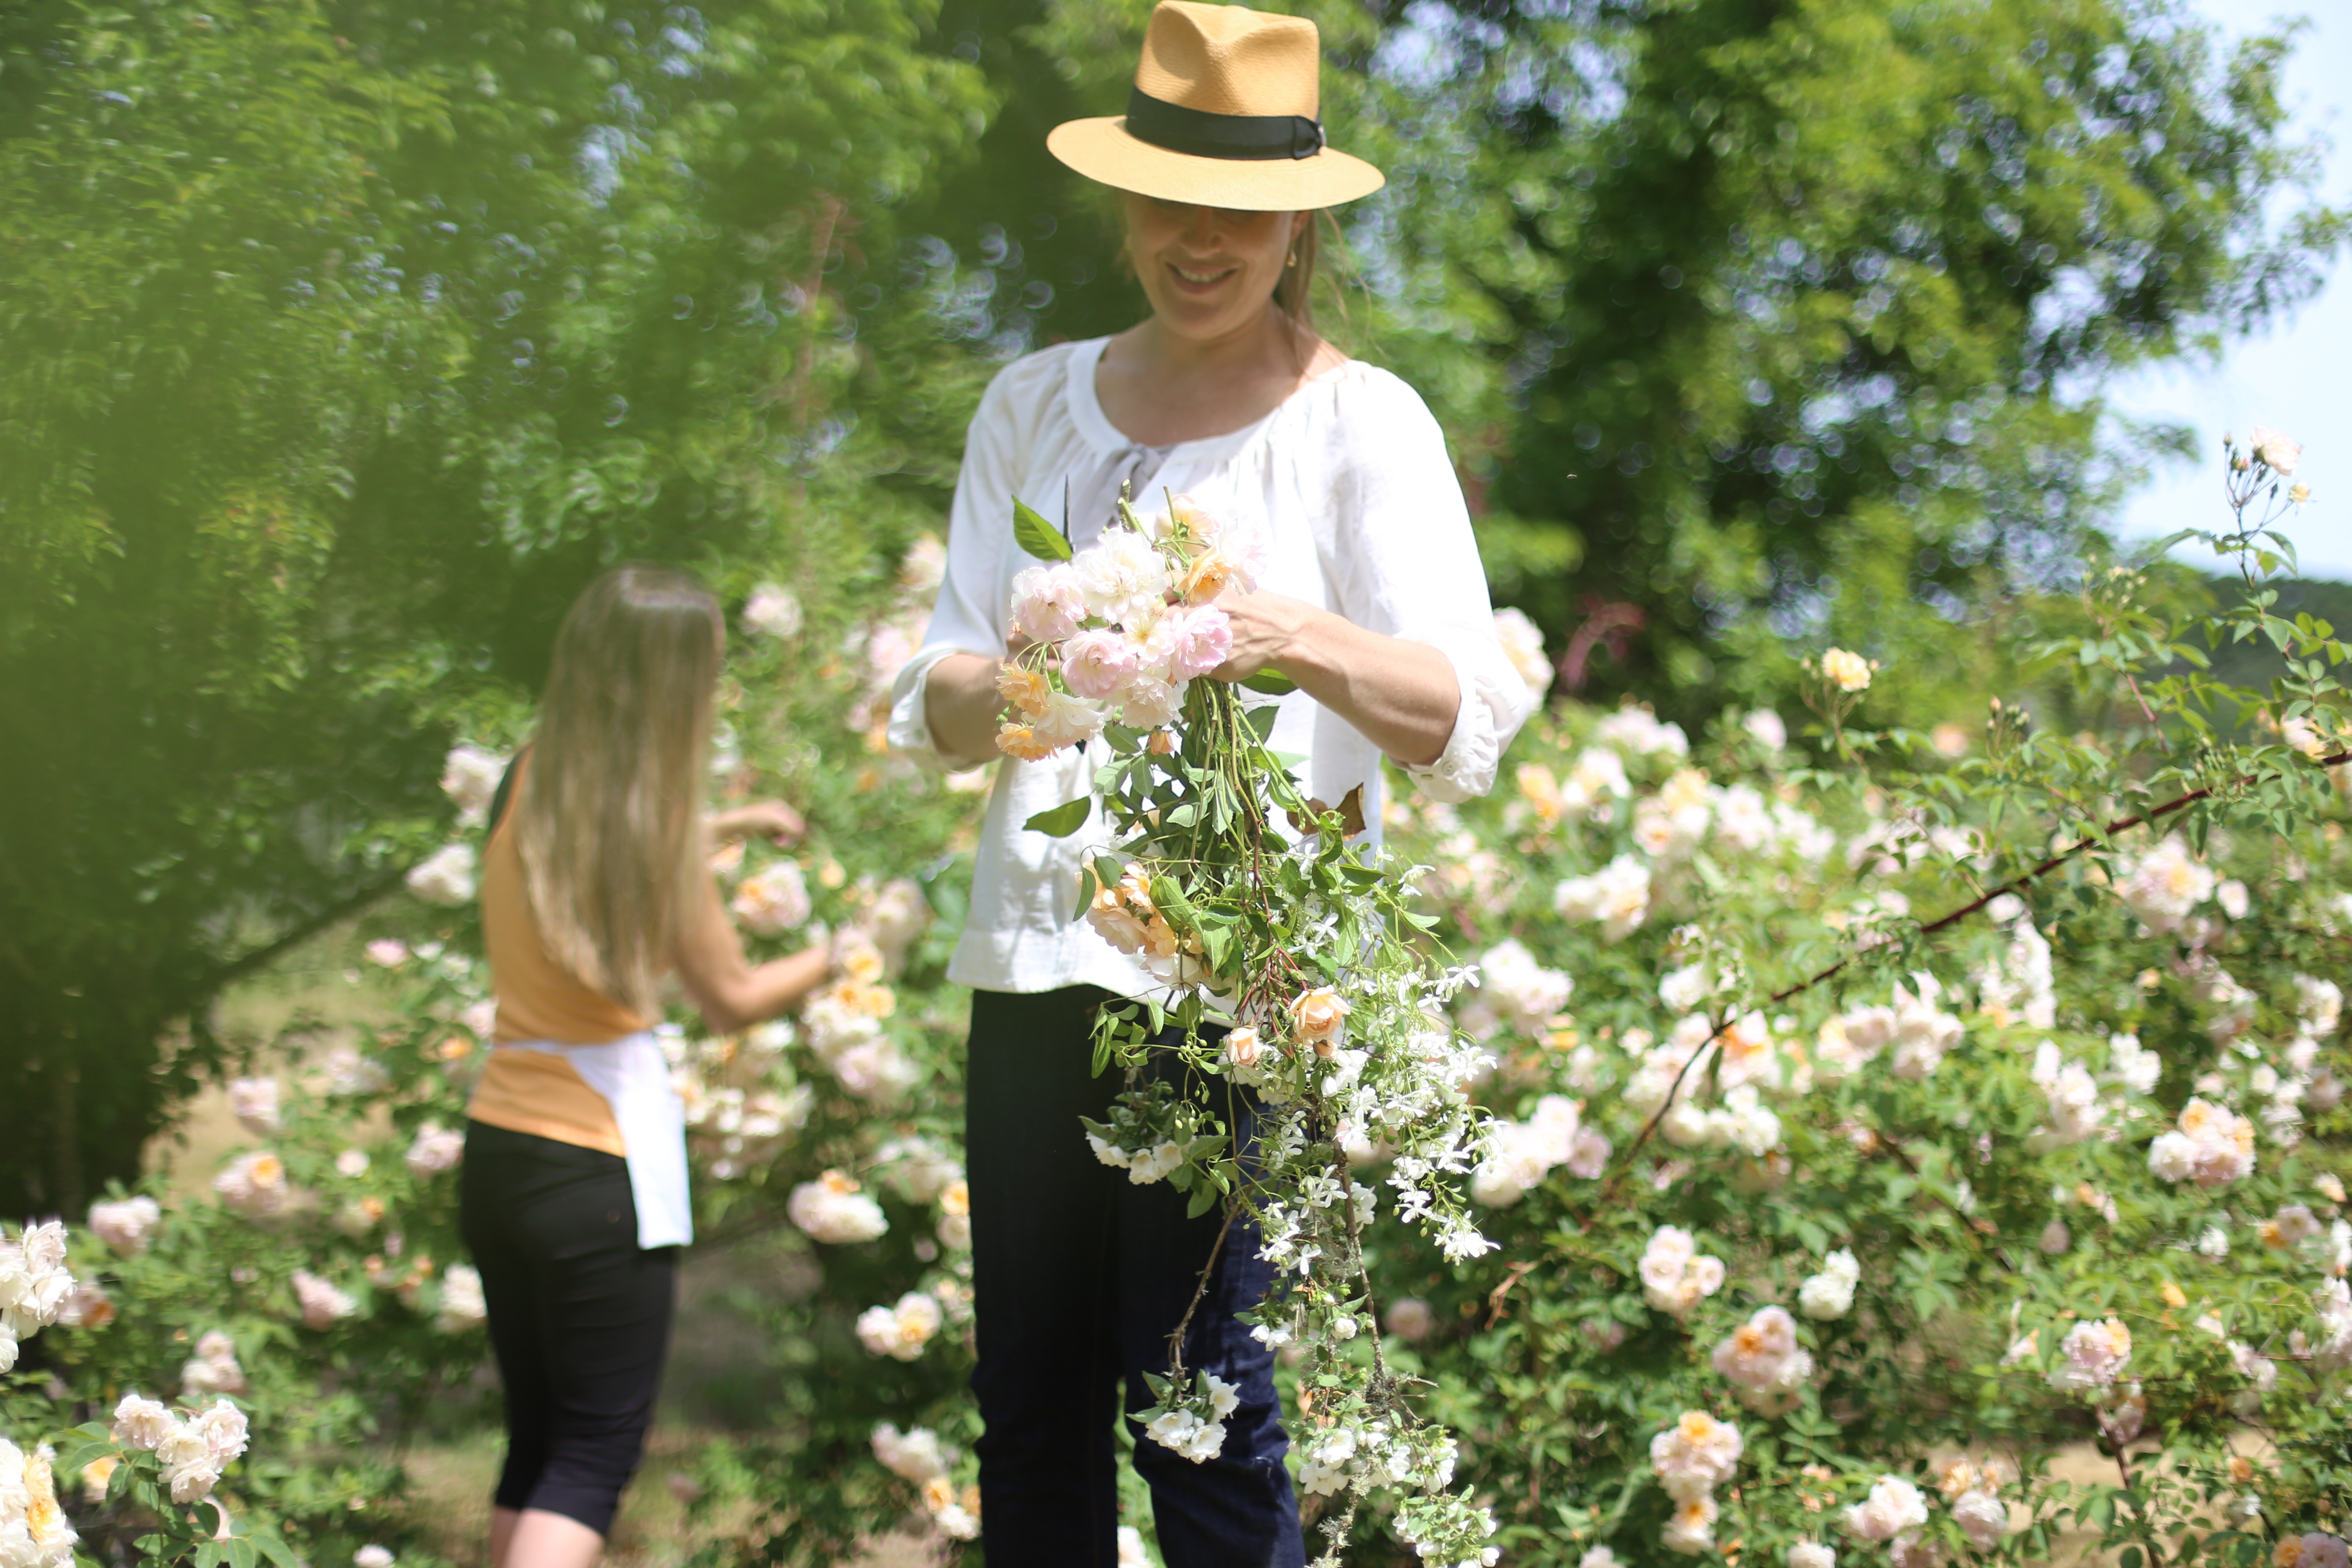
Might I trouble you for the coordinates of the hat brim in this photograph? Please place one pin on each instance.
(1104, 150)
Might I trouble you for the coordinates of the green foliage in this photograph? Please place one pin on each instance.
(346, 344)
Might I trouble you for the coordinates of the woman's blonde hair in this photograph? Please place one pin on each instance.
(608, 822)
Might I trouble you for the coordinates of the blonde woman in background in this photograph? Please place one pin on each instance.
(595, 888)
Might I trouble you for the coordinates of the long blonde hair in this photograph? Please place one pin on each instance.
(608, 822)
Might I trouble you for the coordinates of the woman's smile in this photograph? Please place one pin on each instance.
(1198, 279)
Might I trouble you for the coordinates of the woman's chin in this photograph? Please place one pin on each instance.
(1207, 320)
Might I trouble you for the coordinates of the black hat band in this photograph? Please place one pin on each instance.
(1201, 134)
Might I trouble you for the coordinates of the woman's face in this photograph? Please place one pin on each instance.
(1208, 272)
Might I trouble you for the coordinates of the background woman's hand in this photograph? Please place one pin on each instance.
(769, 819)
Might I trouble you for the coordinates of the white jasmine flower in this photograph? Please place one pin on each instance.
(916, 1455)
(127, 1225)
(446, 877)
(1894, 1505)
(833, 1209)
(1617, 896)
(1691, 1529)
(469, 776)
(1763, 1357)
(34, 1531)
(254, 1102)
(321, 1303)
(2213, 1145)
(1522, 990)
(142, 1423)
(773, 611)
(1924, 1033)
(1674, 1278)
(1523, 646)
(372, 1557)
(1829, 1294)
(254, 1185)
(1695, 1456)
(462, 1306)
(1982, 1517)
(2092, 1356)
(2163, 886)
(774, 900)
(214, 1368)
(1846, 671)
(2319, 1005)
(900, 1331)
(1636, 731)
(434, 1150)
(2276, 452)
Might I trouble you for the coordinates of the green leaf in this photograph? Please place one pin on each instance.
(1062, 820)
(1037, 536)
(74, 1459)
(1271, 683)
(1261, 720)
(1202, 1201)
(273, 1546)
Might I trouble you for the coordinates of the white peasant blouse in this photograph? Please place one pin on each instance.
(1349, 481)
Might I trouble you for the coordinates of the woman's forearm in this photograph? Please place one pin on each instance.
(1401, 696)
(960, 699)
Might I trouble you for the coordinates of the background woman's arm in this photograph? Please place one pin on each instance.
(1401, 696)
(732, 992)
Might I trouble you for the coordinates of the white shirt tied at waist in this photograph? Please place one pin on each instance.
(1350, 480)
(633, 1075)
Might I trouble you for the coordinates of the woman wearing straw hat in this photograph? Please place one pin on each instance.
(1373, 601)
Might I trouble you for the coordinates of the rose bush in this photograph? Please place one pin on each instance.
(1974, 1102)
(1823, 1224)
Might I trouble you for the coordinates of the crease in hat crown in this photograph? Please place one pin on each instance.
(1229, 59)
(1233, 99)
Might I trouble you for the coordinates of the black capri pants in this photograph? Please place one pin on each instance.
(579, 1316)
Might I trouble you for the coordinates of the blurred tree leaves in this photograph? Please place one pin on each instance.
(344, 342)
(1797, 312)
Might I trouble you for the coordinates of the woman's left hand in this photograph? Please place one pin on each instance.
(1267, 629)
(769, 819)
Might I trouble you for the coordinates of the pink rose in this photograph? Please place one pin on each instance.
(1047, 603)
(1204, 641)
(1150, 703)
(1098, 663)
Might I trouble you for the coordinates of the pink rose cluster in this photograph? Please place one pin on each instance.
(1121, 627)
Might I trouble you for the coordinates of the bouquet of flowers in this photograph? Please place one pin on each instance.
(1296, 967)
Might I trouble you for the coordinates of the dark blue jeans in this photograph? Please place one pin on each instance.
(1080, 1277)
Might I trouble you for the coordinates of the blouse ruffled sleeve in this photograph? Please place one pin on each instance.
(968, 618)
(1407, 564)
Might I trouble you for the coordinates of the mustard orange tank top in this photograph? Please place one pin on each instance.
(538, 1092)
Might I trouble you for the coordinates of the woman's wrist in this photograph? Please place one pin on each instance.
(1305, 646)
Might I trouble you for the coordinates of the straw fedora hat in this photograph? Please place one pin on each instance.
(1224, 113)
